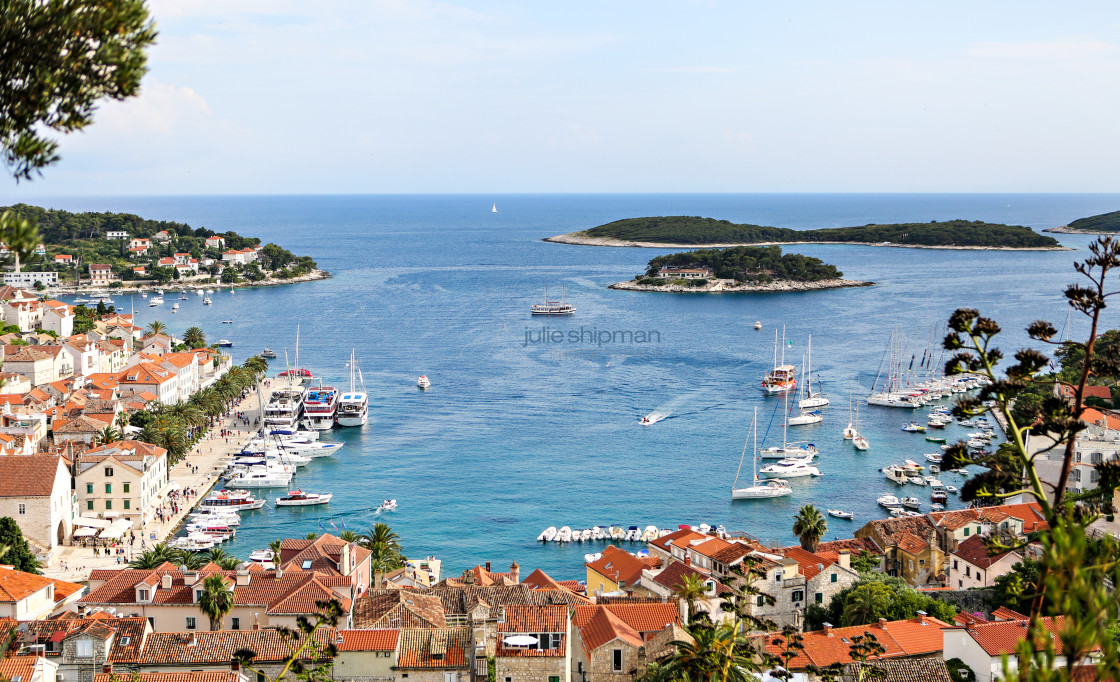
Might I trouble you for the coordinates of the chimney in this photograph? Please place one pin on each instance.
(165, 581)
(882, 623)
(487, 566)
(845, 558)
(970, 624)
(921, 616)
(687, 559)
(344, 561)
(827, 629)
(243, 577)
(190, 577)
(515, 572)
(107, 668)
(234, 665)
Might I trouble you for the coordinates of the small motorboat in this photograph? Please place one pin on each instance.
(935, 439)
(207, 301)
(937, 506)
(913, 427)
(298, 498)
(757, 324)
(268, 353)
(227, 321)
(841, 514)
(564, 534)
(951, 489)
(910, 502)
(423, 381)
(175, 306)
(153, 302)
(261, 556)
(225, 343)
(861, 443)
(917, 480)
(390, 505)
(935, 457)
(547, 534)
(934, 469)
(183, 296)
(143, 294)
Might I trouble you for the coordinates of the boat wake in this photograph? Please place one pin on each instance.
(652, 418)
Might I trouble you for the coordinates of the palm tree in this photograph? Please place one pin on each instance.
(274, 547)
(381, 561)
(809, 526)
(153, 557)
(157, 327)
(312, 536)
(222, 558)
(194, 337)
(20, 234)
(349, 536)
(690, 589)
(256, 365)
(107, 435)
(122, 421)
(215, 600)
(382, 535)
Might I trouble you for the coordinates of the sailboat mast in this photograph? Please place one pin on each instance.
(783, 344)
(297, 345)
(754, 452)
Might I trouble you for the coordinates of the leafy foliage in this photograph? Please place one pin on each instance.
(697, 230)
(877, 596)
(304, 646)
(17, 552)
(58, 59)
(1105, 222)
(809, 525)
(750, 264)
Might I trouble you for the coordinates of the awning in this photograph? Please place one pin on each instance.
(116, 529)
(85, 532)
(92, 523)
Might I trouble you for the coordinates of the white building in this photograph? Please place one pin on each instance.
(116, 234)
(122, 479)
(28, 279)
(100, 273)
(35, 491)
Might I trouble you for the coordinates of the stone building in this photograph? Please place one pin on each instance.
(534, 645)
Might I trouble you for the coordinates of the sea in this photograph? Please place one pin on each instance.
(532, 422)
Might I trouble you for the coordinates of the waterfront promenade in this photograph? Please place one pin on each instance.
(198, 471)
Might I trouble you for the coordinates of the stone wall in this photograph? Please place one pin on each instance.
(530, 668)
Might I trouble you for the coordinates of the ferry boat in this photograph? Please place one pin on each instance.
(782, 377)
(320, 408)
(298, 498)
(552, 307)
(353, 408)
(235, 500)
(284, 408)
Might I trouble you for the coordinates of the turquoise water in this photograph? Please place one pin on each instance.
(516, 436)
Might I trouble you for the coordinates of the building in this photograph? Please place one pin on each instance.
(331, 556)
(58, 317)
(983, 646)
(392, 608)
(64, 258)
(520, 659)
(116, 234)
(205, 651)
(684, 273)
(919, 637)
(617, 571)
(100, 274)
(435, 654)
(29, 669)
(168, 596)
(611, 639)
(239, 256)
(30, 279)
(35, 491)
(148, 377)
(215, 242)
(124, 479)
(972, 564)
(26, 596)
(365, 655)
(83, 647)
(162, 236)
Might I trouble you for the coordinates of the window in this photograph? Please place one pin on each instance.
(108, 471)
(22, 508)
(954, 564)
(85, 648)
(234, 623)
(261, 677)
(197, 595)
(142, 595)
(89, 505)
(820, 597)
(616, 662)
(108, 488)
(833, 578)
(108, 504)
(760, 600)
(966, 531)
(968, 570)
(127, 504)
(798, 595)
(190, 623)
(89, 488)
(553, 678)
(126, 487)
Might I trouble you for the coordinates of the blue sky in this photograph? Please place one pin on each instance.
(373, 96)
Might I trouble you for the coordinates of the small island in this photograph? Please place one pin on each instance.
(126, 251)
(688, 231)
(1105, 223)
(739, 268)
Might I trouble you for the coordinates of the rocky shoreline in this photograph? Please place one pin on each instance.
(577, 239)
(1066, 229)
(727, 286)
(176, 284)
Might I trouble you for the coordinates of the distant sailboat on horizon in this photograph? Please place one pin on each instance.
(494, 208)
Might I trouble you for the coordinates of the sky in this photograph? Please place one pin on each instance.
(417, 96)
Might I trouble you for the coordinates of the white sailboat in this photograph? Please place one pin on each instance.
(796, 450)
(353, 407)
(494, 208)
(850, 430)
(759, 488)
(811, 399)
(804, 417)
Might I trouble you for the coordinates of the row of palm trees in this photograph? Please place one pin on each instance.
(161, 553)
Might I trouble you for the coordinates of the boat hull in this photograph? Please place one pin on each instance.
(759, 492)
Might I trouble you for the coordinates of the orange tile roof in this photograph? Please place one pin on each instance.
(808, 564)
(209, 647)
(1004, 613)
(711, 547)
(28, 476)
(684, 534)
(533, 618)
(433, 648)
(18, 667)
(975, 551)
(1002, 637)
(917, 636)
(368, 640)
(646, 617)
(191, 676)
(16, 585)
(603, 627)
(833, 645)
(619, 565)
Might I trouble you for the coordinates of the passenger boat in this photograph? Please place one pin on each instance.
(268, 353)
(759, 488)
(298, 498)
(320, 408)
(284, 408)
(782, 377)
(353, 407)
(553, 308)
(154, 301)
(841, 514)
(235, 500)
(225, 343)
(423, 381)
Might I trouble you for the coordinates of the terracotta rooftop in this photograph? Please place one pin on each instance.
(619, 565)
(191, 676)
(433, 648)
(900, 670)
(393, 608)
(684, 534)
(16, 585)
(368, 640)
(808, 564)
(28, 476)
(534, 620)
(1002, 637)
(975, 551)
(206, 647)
(649, 617)
(916, 636)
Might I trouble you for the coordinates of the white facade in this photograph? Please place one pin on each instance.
(28, 279)
(116, 234)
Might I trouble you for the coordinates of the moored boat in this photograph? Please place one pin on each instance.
(353, 406)
(320, 407)
(298, 498)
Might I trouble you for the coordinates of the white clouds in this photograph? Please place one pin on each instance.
(1065, 49)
